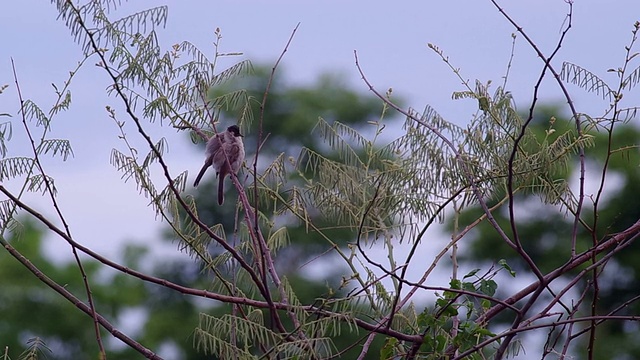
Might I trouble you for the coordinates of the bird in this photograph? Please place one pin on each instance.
(225, 152)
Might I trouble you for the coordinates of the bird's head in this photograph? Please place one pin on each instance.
(235, 130)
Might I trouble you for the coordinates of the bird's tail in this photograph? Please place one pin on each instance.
(200, 174)
(220, 186)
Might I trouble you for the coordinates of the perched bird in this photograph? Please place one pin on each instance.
(225, 152)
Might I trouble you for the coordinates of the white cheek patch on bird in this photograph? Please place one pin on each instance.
(225, 153)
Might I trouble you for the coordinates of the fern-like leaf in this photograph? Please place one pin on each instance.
(632, 80)
(55, 147)
(15, 166)
(6, 131)
(36, 349)
(585, 79)
(32, 111)
(42, 183)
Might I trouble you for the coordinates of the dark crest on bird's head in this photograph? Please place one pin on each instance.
(235, 130)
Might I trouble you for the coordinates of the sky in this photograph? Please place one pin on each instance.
(390, 38)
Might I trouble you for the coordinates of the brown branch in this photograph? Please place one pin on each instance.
(266, 253)
(619, 238)
(574, 114)
(512, 221)
(511, 332)
(596, 202)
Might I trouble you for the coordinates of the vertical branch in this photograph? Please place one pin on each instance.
(569, 332)
(547, 66)
(574, 112)
(266, 253)
(454, 262)
(605, 168)
(263, 104)
(518, 139)
(513, 51)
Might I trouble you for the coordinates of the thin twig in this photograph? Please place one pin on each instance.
(574, 113)
(266, 253)
(603, 175)
(510, 332)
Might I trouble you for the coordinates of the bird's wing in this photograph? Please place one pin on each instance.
(214, 144)
(236, 155)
